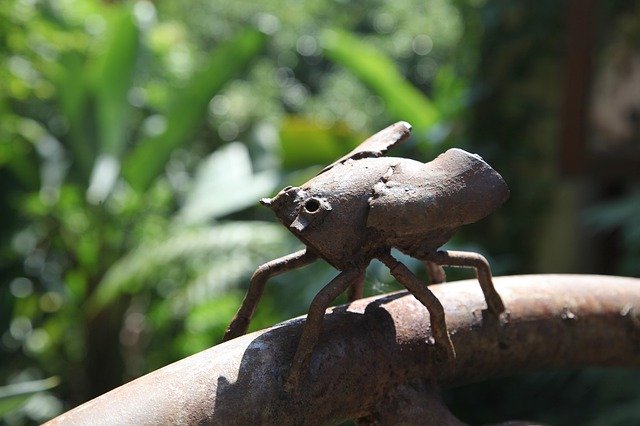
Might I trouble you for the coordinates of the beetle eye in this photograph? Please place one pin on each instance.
(312, 205)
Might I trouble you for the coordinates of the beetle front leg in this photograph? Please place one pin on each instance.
(420, 291)
(240, 322)
(466, 259)
(313, 325)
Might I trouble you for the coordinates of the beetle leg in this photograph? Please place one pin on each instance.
(466, 259)
(427, 298)
(240, 322)
(355, 290)
(435, 272)
(313, 325)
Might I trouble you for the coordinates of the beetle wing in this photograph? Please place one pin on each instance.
(378, 144)
(456, 188)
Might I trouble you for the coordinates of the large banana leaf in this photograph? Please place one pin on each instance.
(112, 81)
(225, 183)
(188, 108)
(306, 143)
(113, 76)
(74, 97)
(379, 72)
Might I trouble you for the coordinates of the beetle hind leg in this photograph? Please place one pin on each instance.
(478, 262)
(436, 311)
(356, 290)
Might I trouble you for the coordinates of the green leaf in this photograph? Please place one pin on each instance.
(18, 138)
(225, 183)
(377, 71)
(113, 77)
(189, 107)
(112, 81)
(129, 273)
(449, 93)
(74, 98)
(213, 313)
(223, 272)
(14, 395)
(305, 142)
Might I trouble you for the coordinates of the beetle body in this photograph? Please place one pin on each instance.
(362, 206)
(351, 211)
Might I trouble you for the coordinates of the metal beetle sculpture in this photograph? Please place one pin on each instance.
(363, 205)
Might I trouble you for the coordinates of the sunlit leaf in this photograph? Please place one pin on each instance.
(112, 82)
(212, 314)
(189, 106)
(130, 272)
(449, 93)
(305, 142)
(206, 321)
(14, 395)
(222, 273)
(225, 183)
(376, 70)
(103, 177)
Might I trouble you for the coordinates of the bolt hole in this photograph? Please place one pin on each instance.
(312, 205)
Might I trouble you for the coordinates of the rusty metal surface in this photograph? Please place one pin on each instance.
(372, 345)
(417, 402)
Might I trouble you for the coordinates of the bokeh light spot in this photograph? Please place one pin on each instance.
(51, 301)
(268, 23)
(422, 44)
(154, 125)
(228, 131)
(306, 45)
(219, 105)
(21, 287)
(384, 23)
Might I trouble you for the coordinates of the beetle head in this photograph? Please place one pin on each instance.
(298, 209)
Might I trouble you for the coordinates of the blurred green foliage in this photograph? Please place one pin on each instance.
(135, 141)
(136, 138)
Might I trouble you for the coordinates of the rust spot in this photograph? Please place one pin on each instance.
(505, 317)
(567, 315)
(633, 313)
(385, 178)
(477, 315)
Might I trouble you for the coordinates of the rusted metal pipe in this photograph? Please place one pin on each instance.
(370, 347)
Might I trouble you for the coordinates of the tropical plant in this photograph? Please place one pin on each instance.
(136, 138)
(129, 223)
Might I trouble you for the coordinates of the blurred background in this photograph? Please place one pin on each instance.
(136, 138)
